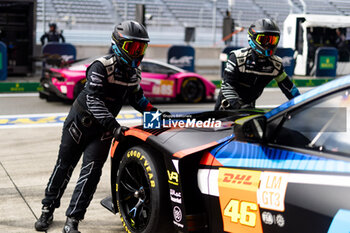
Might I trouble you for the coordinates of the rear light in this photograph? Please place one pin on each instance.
(64, 89)
(59, 76)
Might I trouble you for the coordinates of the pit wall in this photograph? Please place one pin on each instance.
(206, 61)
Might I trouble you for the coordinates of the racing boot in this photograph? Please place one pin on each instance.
(71, 225)
(45, 220)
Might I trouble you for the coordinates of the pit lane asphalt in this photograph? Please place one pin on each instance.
(28, 155)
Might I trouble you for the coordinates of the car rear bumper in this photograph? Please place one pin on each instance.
(50, 91)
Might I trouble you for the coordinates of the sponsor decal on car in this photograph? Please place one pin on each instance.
(175, 196)
(177, 213)
(238, 200)
(272, 219)
(141, 157)
(272, 190)
(173, 177)
(166, 87)
(243, 192)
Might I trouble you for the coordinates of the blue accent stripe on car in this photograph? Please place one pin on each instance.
(238, 154)
(339, 82)
(225, 139)
(340, 222)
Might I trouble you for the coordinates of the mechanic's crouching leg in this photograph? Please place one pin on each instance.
(68, 157)
(94, 158)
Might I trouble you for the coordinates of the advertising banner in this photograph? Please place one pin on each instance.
(182, 56)
(287, 58)
(56, 54)
(326, 61)
(3, 61)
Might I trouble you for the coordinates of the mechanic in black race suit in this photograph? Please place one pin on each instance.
(249, 70)
(52, 35)
(91, 123)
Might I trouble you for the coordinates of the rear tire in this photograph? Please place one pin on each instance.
(42, 95)
(78, 88)
(192, 90)
(142, 192)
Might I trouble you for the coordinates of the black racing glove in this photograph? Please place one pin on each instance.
(231, 104)
(239, 104)
(119, 133)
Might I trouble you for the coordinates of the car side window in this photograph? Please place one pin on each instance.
(322, 125)
(155, 68)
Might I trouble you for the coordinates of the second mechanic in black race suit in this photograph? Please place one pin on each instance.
(52, 35)
(91, 123)
(249, 70)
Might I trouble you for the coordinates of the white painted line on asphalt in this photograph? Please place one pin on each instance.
(31, 94)
(122, 122)
(58, 114)
(34, 115)
(56, 119)
(31, 126)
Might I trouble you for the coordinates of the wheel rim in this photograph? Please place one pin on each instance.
(193, 91)
(134, 196)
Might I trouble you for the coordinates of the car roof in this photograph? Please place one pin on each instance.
(91, 59)
(164, 64)
(327, 87)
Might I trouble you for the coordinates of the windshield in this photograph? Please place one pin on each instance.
(85, 61)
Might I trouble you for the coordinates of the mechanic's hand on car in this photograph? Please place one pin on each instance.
(246, 106)
(119, 133)
(242, 105)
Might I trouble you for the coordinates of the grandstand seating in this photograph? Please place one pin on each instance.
(79, 11)
(166, 14)
(320, 7)
(342, 6)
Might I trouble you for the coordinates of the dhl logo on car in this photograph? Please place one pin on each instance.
(250, 190)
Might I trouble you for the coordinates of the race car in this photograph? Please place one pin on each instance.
(283, 170)
(159, 80)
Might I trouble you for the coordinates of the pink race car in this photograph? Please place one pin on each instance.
(159, 80)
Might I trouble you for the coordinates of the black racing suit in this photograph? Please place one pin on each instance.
(89, 128)
(245, 77)
(52, 36)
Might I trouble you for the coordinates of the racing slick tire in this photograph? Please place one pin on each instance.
(142, 192)
(192, 90)
(78, 88)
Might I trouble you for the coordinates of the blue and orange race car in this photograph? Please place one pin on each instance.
(251, 171)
